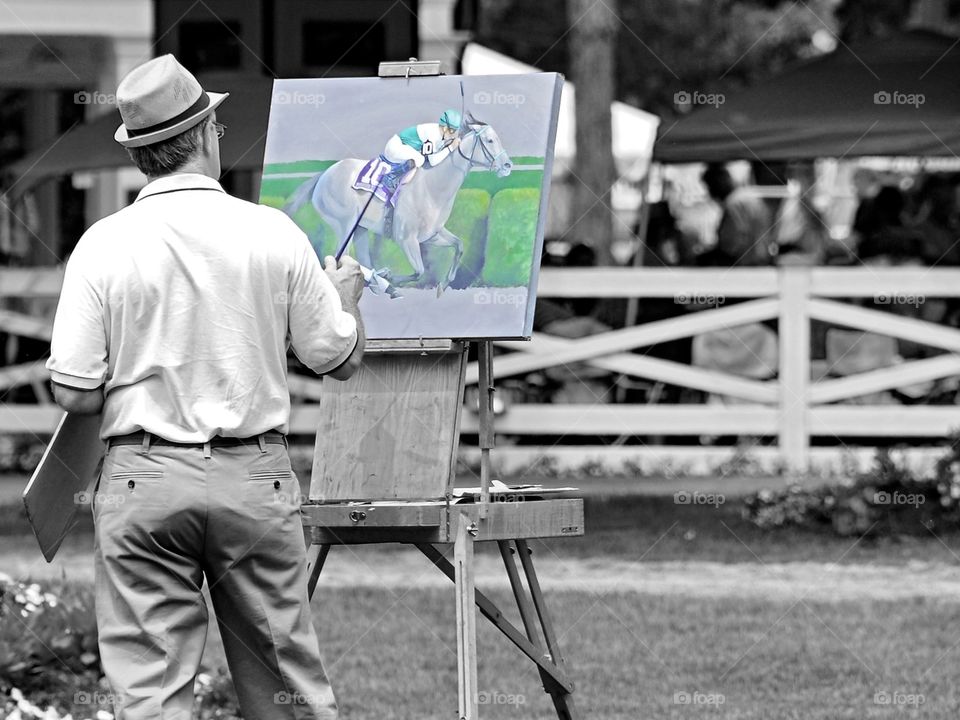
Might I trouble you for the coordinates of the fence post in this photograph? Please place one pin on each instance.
(794, 333)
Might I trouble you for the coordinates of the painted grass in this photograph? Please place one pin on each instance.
(498, 250)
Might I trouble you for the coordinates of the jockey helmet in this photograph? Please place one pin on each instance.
(451, 118)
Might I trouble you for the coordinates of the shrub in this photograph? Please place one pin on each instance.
(49, 658)
(48, 645)
(886, 500)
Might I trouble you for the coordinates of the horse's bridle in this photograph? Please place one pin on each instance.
(490, 159)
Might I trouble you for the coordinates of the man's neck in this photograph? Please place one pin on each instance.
(183, 171)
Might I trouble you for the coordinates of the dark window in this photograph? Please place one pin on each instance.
(465, 15)
(210, 45)
(12, 128)
(354, 44)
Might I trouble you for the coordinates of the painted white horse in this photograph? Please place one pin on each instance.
(423, 204)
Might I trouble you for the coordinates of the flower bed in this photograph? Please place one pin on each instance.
(50, 662)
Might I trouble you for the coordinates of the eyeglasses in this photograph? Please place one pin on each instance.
(220, 129)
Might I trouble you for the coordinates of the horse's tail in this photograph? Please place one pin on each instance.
(301, 195)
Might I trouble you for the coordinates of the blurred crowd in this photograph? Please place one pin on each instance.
(895, 222)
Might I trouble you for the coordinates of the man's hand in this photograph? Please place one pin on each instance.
(346, 278)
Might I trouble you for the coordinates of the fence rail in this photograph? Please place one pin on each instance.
(791, 405)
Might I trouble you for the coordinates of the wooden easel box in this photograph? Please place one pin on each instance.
(391, 431)
(385, 459)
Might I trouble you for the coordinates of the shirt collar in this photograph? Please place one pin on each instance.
(179, 181)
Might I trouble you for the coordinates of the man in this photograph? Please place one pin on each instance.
(744, 236)
(411, 148)
(174, 320)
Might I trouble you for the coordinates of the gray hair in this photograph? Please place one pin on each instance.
(167, 156)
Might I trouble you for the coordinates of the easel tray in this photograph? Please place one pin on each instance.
(436, 521)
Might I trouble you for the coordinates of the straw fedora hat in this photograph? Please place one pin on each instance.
(160, 99)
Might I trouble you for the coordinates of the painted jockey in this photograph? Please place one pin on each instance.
(410, 148)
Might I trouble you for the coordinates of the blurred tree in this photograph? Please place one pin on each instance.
(663, 48)
(861, 19)
(593, 33)
(665, 51)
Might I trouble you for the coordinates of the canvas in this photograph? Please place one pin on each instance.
(439, 183)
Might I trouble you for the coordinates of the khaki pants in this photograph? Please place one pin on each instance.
(166, 519)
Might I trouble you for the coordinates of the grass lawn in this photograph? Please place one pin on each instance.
(392, 655)
(390, 651)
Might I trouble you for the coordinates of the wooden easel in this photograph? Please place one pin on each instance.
(384, 471)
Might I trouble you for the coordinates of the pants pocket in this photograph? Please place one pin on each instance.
(123, 487)
(278, 488)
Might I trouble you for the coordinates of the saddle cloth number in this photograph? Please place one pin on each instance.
(370, 177)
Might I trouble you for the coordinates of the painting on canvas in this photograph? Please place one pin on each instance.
(436, 185)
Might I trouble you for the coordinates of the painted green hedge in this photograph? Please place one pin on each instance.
(511, 236)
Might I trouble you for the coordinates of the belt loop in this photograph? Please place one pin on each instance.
(206, 450)
(106, 445)
(262, 442)
(145, 445)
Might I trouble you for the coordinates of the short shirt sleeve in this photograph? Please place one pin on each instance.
(78, 347)
(322, 334)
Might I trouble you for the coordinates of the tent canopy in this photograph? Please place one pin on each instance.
(891, 96)
(90, 145)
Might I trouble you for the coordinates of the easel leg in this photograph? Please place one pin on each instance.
(466, 621)
(562, 700)
(490, 611)
(526, 612)
(316, 557)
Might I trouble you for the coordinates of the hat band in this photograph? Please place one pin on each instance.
(199, 106)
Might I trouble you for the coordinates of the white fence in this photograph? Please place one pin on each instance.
(790, 406)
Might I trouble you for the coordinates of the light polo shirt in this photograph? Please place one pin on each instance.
(183, 306)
